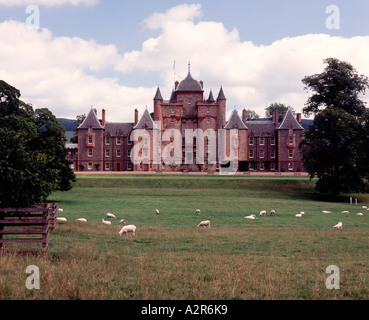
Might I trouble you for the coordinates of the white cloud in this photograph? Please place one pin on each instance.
(47, 3)
(251, 75)
(62, 73)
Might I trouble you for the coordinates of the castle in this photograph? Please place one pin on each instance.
(190, 133)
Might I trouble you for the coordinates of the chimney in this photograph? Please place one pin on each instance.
(95, 111)
(136, 116)
(276, 118)
(202, 84)
(176, 85)
(298, 117)
(103, 118)
(244, 115)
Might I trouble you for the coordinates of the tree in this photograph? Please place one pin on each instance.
(335, 147)
(32, 152)
(79, 120)
(251, 115)
(275, 106)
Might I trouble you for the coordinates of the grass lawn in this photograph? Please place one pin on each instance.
(271, 257)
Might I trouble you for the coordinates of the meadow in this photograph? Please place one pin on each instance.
(270, 258)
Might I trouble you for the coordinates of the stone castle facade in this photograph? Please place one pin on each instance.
(190, 133)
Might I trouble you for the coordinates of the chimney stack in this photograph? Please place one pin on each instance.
(103, 118)
(176, 85)
(244, 115)
(298, 117)
(136, 116)
(202, 84)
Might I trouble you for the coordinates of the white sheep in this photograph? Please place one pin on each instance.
(345, 212)
(61, 219)
(105, 222)
(157, 211)
(326, 212)
(338, 226)
(198, 212)
(81, 220)
(60, 209)
(364, 207)
(262, 213)
(302, 212)
(128, 229)
(272, 212)
(205, 223)
(110, 216)
(250, 217)
(298, 215)
(123, 221)
(359, 214)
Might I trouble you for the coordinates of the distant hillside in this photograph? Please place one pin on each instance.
(68, 124)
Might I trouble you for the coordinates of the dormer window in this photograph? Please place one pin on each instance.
(107, 140)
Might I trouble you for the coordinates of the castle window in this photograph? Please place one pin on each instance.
(272, 166)
(189, 100)
(291, 140)
(290, 166)
(208, 109)
(208, 119)
(261, 141)
(272, 141)
(236, 142)
(118, 153)
(129, 166)
(107, 153)
(251, 141)
(89, 152)
(90, 140)
(261, 153)
(107, 140)
(262, 166)
(290, 153)
(107, 166)
(172, 110)
(236, 131)
(251, 166)
(118, 141)
(251, 153)
(128, 153)
(129, 141)
(89, 166)
(172, 119)
(272, 153)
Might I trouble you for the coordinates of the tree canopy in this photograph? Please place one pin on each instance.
(335, 146)
(32, 152)
(276, 106)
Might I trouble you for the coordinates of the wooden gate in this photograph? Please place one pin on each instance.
(27, 229)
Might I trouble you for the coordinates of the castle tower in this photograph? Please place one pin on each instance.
(221, 119)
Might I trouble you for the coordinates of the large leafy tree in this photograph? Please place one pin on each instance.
(32, 152)
(276, 106)
(335, 146)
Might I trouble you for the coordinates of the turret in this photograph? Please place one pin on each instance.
(221, 119)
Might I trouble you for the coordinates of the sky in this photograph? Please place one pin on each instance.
(71, 55)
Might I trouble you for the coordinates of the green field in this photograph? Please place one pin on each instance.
(271, 257)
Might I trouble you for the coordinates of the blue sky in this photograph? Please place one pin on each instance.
(127, 56)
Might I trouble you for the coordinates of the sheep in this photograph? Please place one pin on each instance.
(272, 212)
(359, 214)
(123, 221)
(251, 216)
(81, 220)
(364, 207)
(345, 212)
(60, 209)
(262, 213)
(338, 226)
(61, 219)
(198, 212)
(110, 216)
(302, 212)
(105, 222)
(298, 215)
(128, 229)
(205, 223)
(326, 212)
(157, 212)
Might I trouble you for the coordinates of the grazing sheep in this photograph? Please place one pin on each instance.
(364, 207)
(205, 223)
(338, 226)
(327, 212)
(262, 213)
(345, 212)
(123, 221)
(110, 216)
(198, 212)
(60, 209)
(128, 229)
(157, 212)
(272, 212)
(298, 215)
(61, 219)
(105, 222)
(251, 216)
(81, 220)
(359, 214)
(302, 212)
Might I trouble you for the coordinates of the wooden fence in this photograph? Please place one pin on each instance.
(27, 229)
